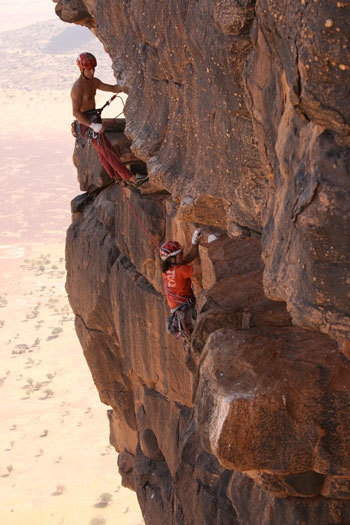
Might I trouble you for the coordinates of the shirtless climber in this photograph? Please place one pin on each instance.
(84, 110)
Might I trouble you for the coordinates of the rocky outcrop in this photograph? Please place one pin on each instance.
(239, 113)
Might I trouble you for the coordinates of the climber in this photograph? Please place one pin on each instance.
(177, 274)
(84, 110)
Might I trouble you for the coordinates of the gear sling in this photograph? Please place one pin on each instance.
(181, 320)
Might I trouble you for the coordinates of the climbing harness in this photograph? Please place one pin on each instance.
(176, 322)
(95, 116)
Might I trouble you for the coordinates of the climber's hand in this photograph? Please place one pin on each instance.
(196, 237)
(96, 127)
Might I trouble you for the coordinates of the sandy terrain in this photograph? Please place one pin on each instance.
(56, 460)
(56, 464)
(55, 457)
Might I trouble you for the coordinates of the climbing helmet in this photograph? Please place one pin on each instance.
(86, 61)
(170, 249)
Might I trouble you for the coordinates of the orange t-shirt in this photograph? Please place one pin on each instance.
(177, 284)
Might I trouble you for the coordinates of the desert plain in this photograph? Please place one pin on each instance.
(56, 463)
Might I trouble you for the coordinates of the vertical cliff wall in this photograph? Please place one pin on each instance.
(239, 111)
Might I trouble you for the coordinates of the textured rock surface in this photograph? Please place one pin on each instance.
(240, 112)
(301, 62)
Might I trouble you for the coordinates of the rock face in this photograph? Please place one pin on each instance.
(239, 111)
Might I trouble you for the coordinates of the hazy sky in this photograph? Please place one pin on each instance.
(19, 13)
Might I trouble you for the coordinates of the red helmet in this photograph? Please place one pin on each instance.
(170, 249)
(86, 61)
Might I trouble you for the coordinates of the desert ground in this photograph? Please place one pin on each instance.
(56, 464)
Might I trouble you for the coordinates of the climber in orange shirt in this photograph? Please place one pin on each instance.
(83, 102)
(177, 274)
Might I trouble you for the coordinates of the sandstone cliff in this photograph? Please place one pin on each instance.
(239, 111)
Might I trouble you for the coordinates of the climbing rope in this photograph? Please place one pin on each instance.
(122, 111)
(111, 100)
(99, 111)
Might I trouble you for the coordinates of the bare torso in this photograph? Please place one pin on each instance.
(83, 94)
(83, 97)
